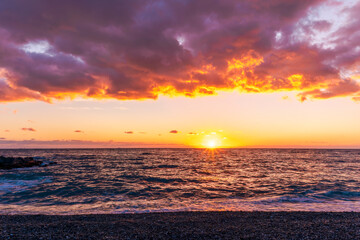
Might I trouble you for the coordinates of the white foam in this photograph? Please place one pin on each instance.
(13, 186)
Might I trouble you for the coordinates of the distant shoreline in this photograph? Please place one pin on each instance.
(184, 225)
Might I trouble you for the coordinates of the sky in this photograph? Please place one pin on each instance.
(180, 73)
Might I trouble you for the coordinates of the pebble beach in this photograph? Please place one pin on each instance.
(184, 225)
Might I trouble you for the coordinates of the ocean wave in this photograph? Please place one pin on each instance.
(163, 180)
(160, 166)
(39, 158)
(288, 199)
(340, 195)
(14, 186)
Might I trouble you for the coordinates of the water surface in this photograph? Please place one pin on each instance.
(142, 180)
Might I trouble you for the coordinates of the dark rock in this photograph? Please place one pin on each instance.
(19, 162)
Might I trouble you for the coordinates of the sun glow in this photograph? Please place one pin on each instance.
(211, 144)
(210, 139)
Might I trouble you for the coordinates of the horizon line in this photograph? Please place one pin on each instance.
(87, 148)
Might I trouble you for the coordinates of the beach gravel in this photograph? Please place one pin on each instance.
(184, 225)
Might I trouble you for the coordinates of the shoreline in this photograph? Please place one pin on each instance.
(184, 225)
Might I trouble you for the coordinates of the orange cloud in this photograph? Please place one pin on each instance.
(337, 89)
(129, 132)
(174, 131)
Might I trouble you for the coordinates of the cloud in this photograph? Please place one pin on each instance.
(129, 132)
(1, 138)
(142, 49)
(80, 108)
(28, 129)
(121, 108)
(11, 144)
(79, 131)
(174, 131)
(342, 88)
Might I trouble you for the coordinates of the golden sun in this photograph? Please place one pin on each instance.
(211, 144)
(208, 139)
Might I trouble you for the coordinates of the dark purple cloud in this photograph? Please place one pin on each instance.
(28, 129)
(139, 49)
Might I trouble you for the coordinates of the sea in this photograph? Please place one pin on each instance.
(97, 181)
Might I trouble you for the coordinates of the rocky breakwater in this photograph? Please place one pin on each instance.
(20, 162)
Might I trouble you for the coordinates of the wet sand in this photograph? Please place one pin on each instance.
(184, 225)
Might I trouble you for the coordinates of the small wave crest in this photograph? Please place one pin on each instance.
(14, 186)
(164, 180)
(288, 199)
(340, 195)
